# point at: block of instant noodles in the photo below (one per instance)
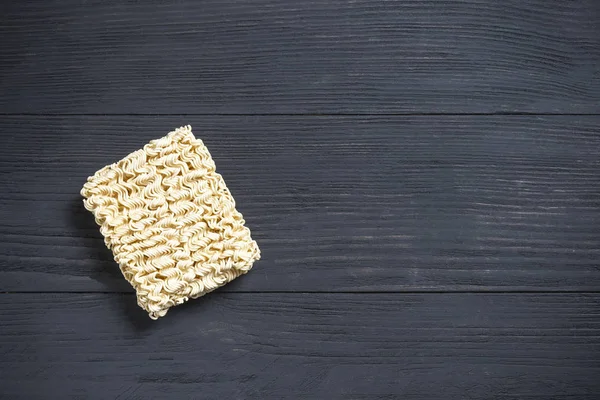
(170, 221)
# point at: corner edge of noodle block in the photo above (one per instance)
(170, 222)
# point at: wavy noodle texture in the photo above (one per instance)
(170, 222)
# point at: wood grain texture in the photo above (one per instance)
(313, 56)
(335, 203)
(360, 346)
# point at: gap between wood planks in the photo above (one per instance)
(558, 291)
(400, 114)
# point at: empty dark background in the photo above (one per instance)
(421, 176)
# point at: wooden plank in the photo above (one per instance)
(310, 56)
(359, 346)
(336, 203)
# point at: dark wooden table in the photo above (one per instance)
(423, 178)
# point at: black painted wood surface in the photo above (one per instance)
(423, 178)
(336, 203)
(316, 56)
(412, 346)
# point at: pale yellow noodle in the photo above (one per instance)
(170, 222)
